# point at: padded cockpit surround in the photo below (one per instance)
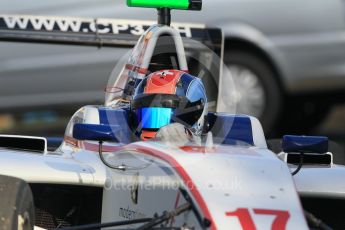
(233, 129)
(117, 117)
(236, 130)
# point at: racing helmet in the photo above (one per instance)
(169, 96)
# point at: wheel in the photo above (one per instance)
(16, 204)
(256, 90)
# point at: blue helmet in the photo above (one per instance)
(169, 96)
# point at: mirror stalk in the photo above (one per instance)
(100, 152)
(299, 167)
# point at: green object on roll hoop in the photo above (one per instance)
(171, 4)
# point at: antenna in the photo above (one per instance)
(165, 6)
(164, 16)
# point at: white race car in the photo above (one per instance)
(229, 179)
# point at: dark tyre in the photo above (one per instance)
(16, 204)
(301, 115)
(257, 92)
(275, 145)
(338, 152)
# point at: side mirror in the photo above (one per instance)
(305, 144)
(95, 132)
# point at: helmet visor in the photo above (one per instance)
(154, 117)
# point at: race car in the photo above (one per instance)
(153, 157)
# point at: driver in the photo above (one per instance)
(169, 96)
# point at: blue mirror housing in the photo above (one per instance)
(94, 132)
(305, 144)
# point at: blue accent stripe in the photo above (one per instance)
(103, 118)
(108, 116)
(231, 129)
(141, 87)
(185, 81)
(116, 117)
(306, 144)
(96, 132)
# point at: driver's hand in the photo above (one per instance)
(176, 134)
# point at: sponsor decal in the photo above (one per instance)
(130, 214)
(135, 189)
(80, 25)
(281, 218)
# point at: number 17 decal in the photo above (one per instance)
(247, 222)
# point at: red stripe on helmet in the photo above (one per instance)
(163, 82)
